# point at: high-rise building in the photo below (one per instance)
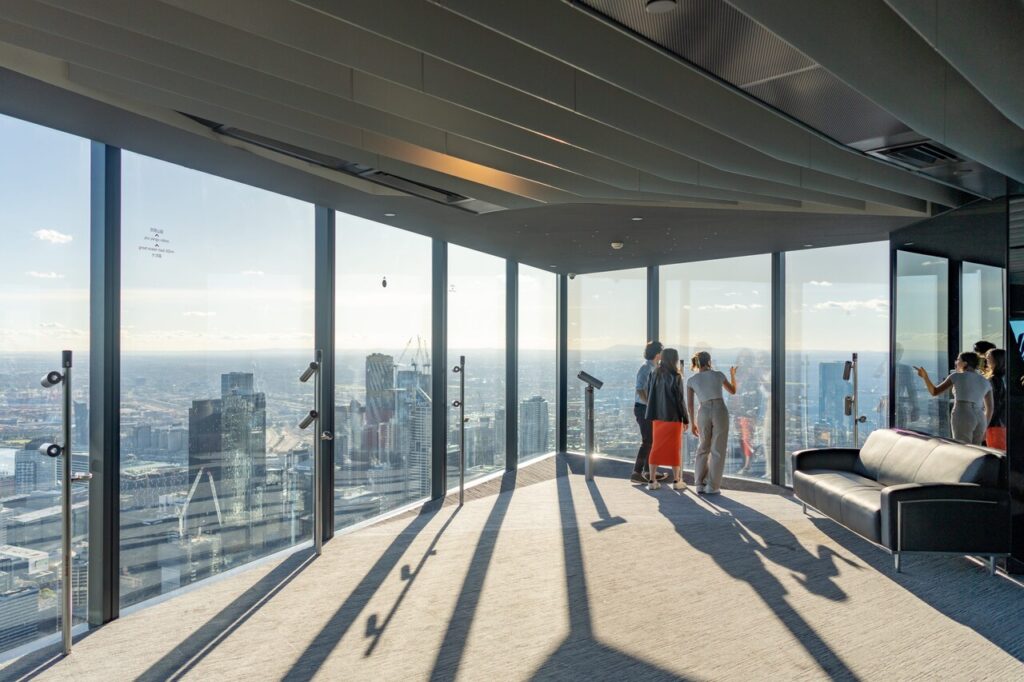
(533, 426)
(832, 392)
(19, 615)
(227, 452)
(380, 388)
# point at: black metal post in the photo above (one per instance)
(1015, 375)
(105, 383)
(653, 304)
(778, 409)
(893, 262)
(511, 365)
(956, 267)
(562, 362)
(323, 339)
(439, 368)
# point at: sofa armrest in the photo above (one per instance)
(840, 459)
(946, 517)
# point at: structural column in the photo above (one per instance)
(323, 333)
(1015, 375)
(439, 367)
(653, 304)
(511, 365)
(778, 411)
(562, 362)
(105, 383)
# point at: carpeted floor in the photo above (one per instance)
(545, 576)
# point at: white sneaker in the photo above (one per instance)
(709, 491)
(701, 489)
(679, 485)
(653, 485)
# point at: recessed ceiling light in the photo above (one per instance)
(389, 215)
(908, 243)
(659, 6)
(807, 246)
(552, 266)
(636, 219)
(617, 245)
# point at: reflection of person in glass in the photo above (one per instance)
(972, 398)
(747, 407)
(982, 348)
(995, 372)
(906, 391)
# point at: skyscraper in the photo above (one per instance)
(227, 451)
(380, 388)
(533, 426)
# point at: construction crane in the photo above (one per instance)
(183, 517)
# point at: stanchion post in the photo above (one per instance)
(460, 369)
(588, 465)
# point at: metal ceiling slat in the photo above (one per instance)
(956, 30)
(114, 84)
(901, 72)
(159, 23)
(568, 34)
(469, 90)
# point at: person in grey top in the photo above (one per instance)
(711, 425)
(972, 396)
(652, 354)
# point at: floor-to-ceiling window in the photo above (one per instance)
(44, 309)
(607, 332)
(922, 304)
(724, 307)
(476, 330)
(382, 369)
(837, 304)
(981, 305)
(538, 379)
(217, 325)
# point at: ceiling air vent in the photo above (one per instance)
(418, 189)
(919, 155)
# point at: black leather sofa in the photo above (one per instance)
(907, 492)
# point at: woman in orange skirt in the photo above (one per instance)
(666, 408)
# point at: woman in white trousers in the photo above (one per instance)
(711, 425)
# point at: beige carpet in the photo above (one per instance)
(558, 579)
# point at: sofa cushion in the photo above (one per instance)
(904, 458)
(862, 512)
(850, 499)
(956, 463)
(874, 450)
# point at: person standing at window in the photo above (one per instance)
(995, 371)
(712, 421)
(652, 354)
(982, 348)
(667, 411)
(972, 396)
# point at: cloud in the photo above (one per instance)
(731, 306)
(53, 236)
(819, 283)
(878, 305)
(199, 313)
(254, 273)
(44, 275)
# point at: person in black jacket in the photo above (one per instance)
(666, 408)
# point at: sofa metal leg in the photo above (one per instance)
(805, 509)
(992, 565)
(896, 561)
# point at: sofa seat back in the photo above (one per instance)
(894, 457)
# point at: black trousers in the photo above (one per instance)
(646, 437)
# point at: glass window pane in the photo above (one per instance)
(382, 369)
(476, 329)
(981, 305)
(44, 309)
(217, 325)
(607, 333)
(538, 380)
(922, 304)
(837, 304)
(724, 307)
